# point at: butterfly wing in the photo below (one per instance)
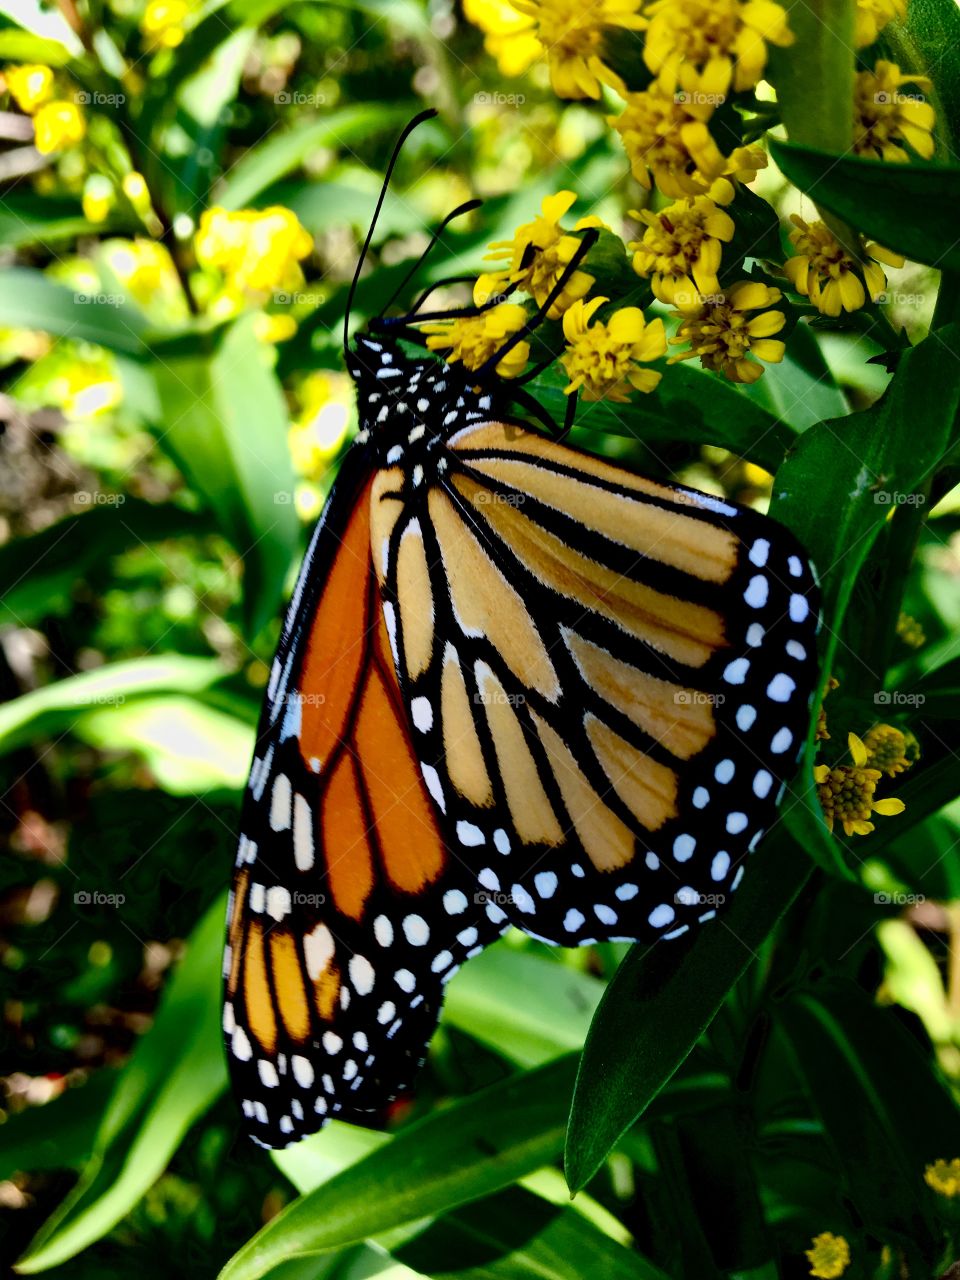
(609, 680)
(347, 913)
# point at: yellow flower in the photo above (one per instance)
(30, 86)
(572, 35)
(910, 631)
(474, 339)
(57, 125)
(681, 247)
(725, 339)
(508, 36)
(824, 272)
(829, 1256)
(944, 1177)
(885, 118)
(540, 252)
(162, 23)
(98, 197)
(667, 142)
(846, 792)
(890, 750)
(601, 359)
(146, 269)
(725, 41)
(274, 328)
(257, 251)
(873, 16)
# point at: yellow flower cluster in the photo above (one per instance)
(725, 337)
(846, 792)
(823, 271)
(539, 253)
(707, 47)
(829, 1256)
(572, 35)
(889, 749)
(257, 251)
(602, 359)
(58, 123)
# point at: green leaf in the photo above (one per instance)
(283, 152)
(189, 748)
(175, 1073)
(225, 425)
(526, 1007)
(929, 41)
(58, 1135)
(688, 405)
(800, 390)
(28, 300)
(55, 708)
(660, 1002)
(905, 207)
(515, 1235)
(462, 1153)
(817, 109)
(28, 219)
(38, 573)
(858, 1064)
(23, 46)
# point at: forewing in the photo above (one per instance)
(347, 914)
(615, 688)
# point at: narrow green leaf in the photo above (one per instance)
(225, 424)
(175, 1073)
(660, 1002)
(28, 300)
(515, 1235)
(801, 389)
(858, 1065)
(472, 1149)
(817, 109)
(906, 207)
(55, 708)
(27, 219)
(526, 1007)
(281, 153)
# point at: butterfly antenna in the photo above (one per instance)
(586, 244)
(467, 207)
(398, 147)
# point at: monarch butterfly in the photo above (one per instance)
(516, 685)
